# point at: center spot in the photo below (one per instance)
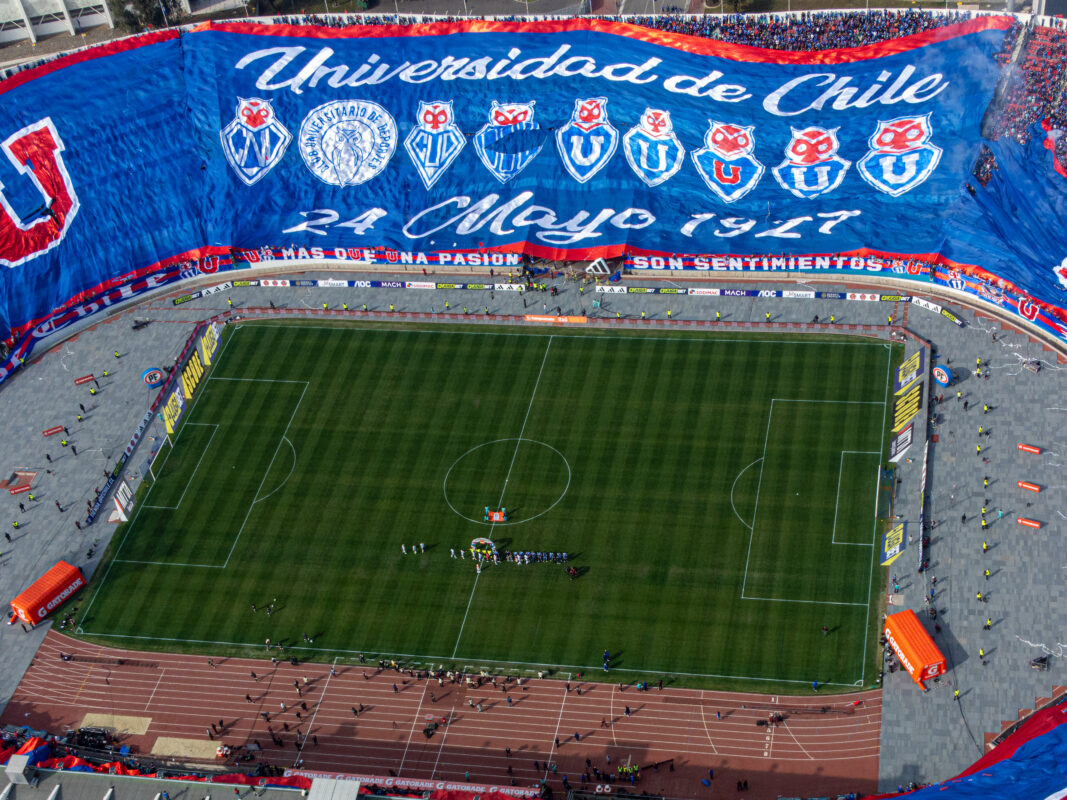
(526, 476)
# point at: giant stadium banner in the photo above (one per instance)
(568, 139)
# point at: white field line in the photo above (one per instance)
(285, 435)
(137, 513)
(704, 721)
(414, 722)
(258, 380)
(837, 498)
(766, 438)
(752, 527)
(444, 736)
(525, 419)
(874, 550)
(167, 563)
(425, 658)
(795, 739)
(518, 443)
(189, 482)
(463, 624)
(733, 485)
(559, 721)
(836, 402)
(166, 458)
(806, 602)
(287, 477)
(311, 725)
(443, 329)
(161, 674)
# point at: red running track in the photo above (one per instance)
(824, 746)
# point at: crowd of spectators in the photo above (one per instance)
(815, 30)
(1034, 83)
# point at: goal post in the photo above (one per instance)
(167, 445)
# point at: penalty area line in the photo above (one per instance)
(137, 513)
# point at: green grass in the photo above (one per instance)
(685, 475)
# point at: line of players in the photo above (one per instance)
(525, 557)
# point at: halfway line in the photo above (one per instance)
(507, 477)
(525, 419)
(463, 624)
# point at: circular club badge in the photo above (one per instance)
(153, 377)
(347, 142)
(942, 376)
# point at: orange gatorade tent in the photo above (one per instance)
(48, 593)
(913, 645)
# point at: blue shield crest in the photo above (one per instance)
(254, 141)
(901, 155)
(435, 141)
(587, 143)
(726, 163)
(812, 166)
(510, 141)
(652, 148)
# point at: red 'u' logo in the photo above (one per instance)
(35, 150)
(731, 176)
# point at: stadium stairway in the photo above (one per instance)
(1009, 724)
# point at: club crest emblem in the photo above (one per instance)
(347, 142)
(812, 166)
(726, 163)
(435, 141)
(652, 148)
(254, 141)
(901, 155)
(587, 143)
(510, 140)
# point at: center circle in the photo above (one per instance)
(521, 474)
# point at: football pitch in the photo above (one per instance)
(717, 496)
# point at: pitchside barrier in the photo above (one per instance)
(609, 286)
(598, 292)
